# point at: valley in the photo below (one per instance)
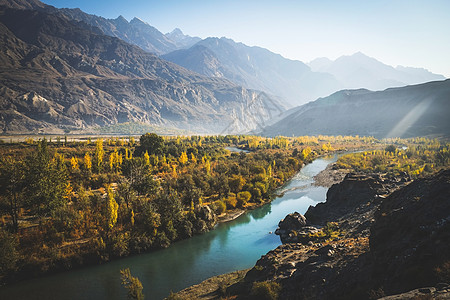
(297, 150)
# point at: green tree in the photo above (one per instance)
(132, 284)
(12, 184)
(152, 143)
(8, 252)
(138, 173)
(46, 180)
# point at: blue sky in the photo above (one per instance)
(396, 32)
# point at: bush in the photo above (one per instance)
(8, 252)
(231, 202)
(219, 207)
(269, 290)
(132, 284)
(242, 198)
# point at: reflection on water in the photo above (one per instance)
(231, 246)
(261, 212)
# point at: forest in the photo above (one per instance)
(70, 203)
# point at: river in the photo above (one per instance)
(231, 246)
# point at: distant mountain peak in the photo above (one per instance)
(176, 31)
(359, 53)
(121, 19)
(137, 20)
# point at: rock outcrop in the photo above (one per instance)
(394, 238)
(410, 239)
(293, 229)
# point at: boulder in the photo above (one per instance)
(206, 214)
(294, 221)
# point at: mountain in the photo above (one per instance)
(58, 74)
(361, 71)
(181, 40)
(135, 32)
(416, 110)
(256, 68)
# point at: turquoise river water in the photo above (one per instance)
(231, 246)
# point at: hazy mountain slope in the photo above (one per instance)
(257, 68)
(57, 75)
(361, 71)
(181, 40)
(406, 112)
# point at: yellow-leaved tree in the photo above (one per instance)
(183, 158)
(111, 208)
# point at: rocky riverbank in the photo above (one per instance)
(374, 236)
(331, 175)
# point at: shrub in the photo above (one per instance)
(8, 252)
(242, 198)
(231, 202)
(219, 207)
(269, 290)
(132, 284)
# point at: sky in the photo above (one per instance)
(397, 32)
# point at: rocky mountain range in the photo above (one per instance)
(55, 80)
(257, 68)
(292, 81)
(135, 31)
(360, 71)
(60, 74)
(417, 110)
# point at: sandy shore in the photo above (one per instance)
(330, 176)
(230, 216)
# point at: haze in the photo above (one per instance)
(409, 33)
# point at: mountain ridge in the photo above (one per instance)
(361, 71)
(57, 74)
(415, 110)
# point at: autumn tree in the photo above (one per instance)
(183, 159)
(87, 162)
(74, 163)
(132, 284)
(242, 198)
(111, 208)
(236, 182)
(99, 153)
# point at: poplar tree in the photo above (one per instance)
(99, 153)
(111, 208)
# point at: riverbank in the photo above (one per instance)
(212, 288)
(331, 175)
(378, 237)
